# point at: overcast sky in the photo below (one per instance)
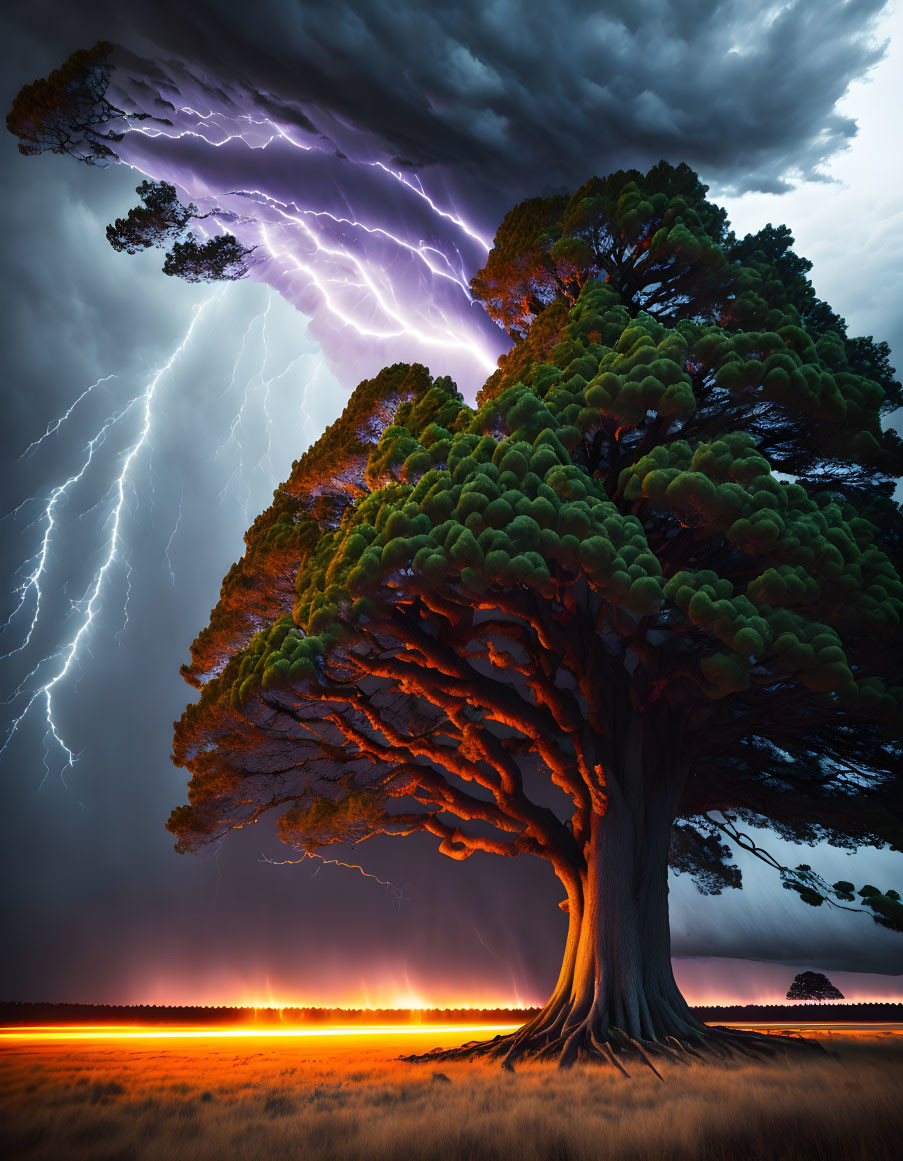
(788, 114)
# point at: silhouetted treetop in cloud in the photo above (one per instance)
(163, 221)
(66, 112)
(219, 259)
(160, 220)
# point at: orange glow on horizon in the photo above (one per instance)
(712, 980)
(386, 988)
(64, 1032)
(386, 1036)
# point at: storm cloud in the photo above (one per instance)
(528, 94)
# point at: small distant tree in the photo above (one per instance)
(813, 986)
(220, 259)
(67, 111)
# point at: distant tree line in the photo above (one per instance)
(24, 1012)
(14, 1013)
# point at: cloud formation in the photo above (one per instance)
(530, 94)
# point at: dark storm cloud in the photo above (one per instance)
(532, 94)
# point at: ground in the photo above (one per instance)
(348, 1098)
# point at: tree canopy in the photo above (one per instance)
(653, 238)
(813, 986)
(66, 112)
(596, 619)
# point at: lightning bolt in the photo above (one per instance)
(308, 383)
(32, 583)
(90, 606)
(265, 402)
(398, 892)
(56, 424)
(172, 536)
(399, 324)
(420, 249)
(260, 384)
(420, 192)
(232, 437)
(277, 133)
(324, 248)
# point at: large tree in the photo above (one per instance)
(585, 621)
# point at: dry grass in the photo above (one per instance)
(268, 1100)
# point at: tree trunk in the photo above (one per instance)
(616, 985)
(617, 967)
(616, 996)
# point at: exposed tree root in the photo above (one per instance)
(584, 1043)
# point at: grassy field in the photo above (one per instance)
(346, 1098)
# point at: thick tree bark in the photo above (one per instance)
(616, 997)
(617, 967)
(616, 985)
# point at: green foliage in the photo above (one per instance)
(620, 508)
(324, 481)
(886, 906)
(652, 237)
(495, 499)
(323, 820)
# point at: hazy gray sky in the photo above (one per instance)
(851, 226)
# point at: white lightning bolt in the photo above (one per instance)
(397, 321)
(277, 132)
(91, 604)
(421, 249)
(258, 384)
(360, 293)
(172, 536)
(308, 383)
(57, 423)
(32, 583)
(267, 386)
(421, 193)
(232, 436)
